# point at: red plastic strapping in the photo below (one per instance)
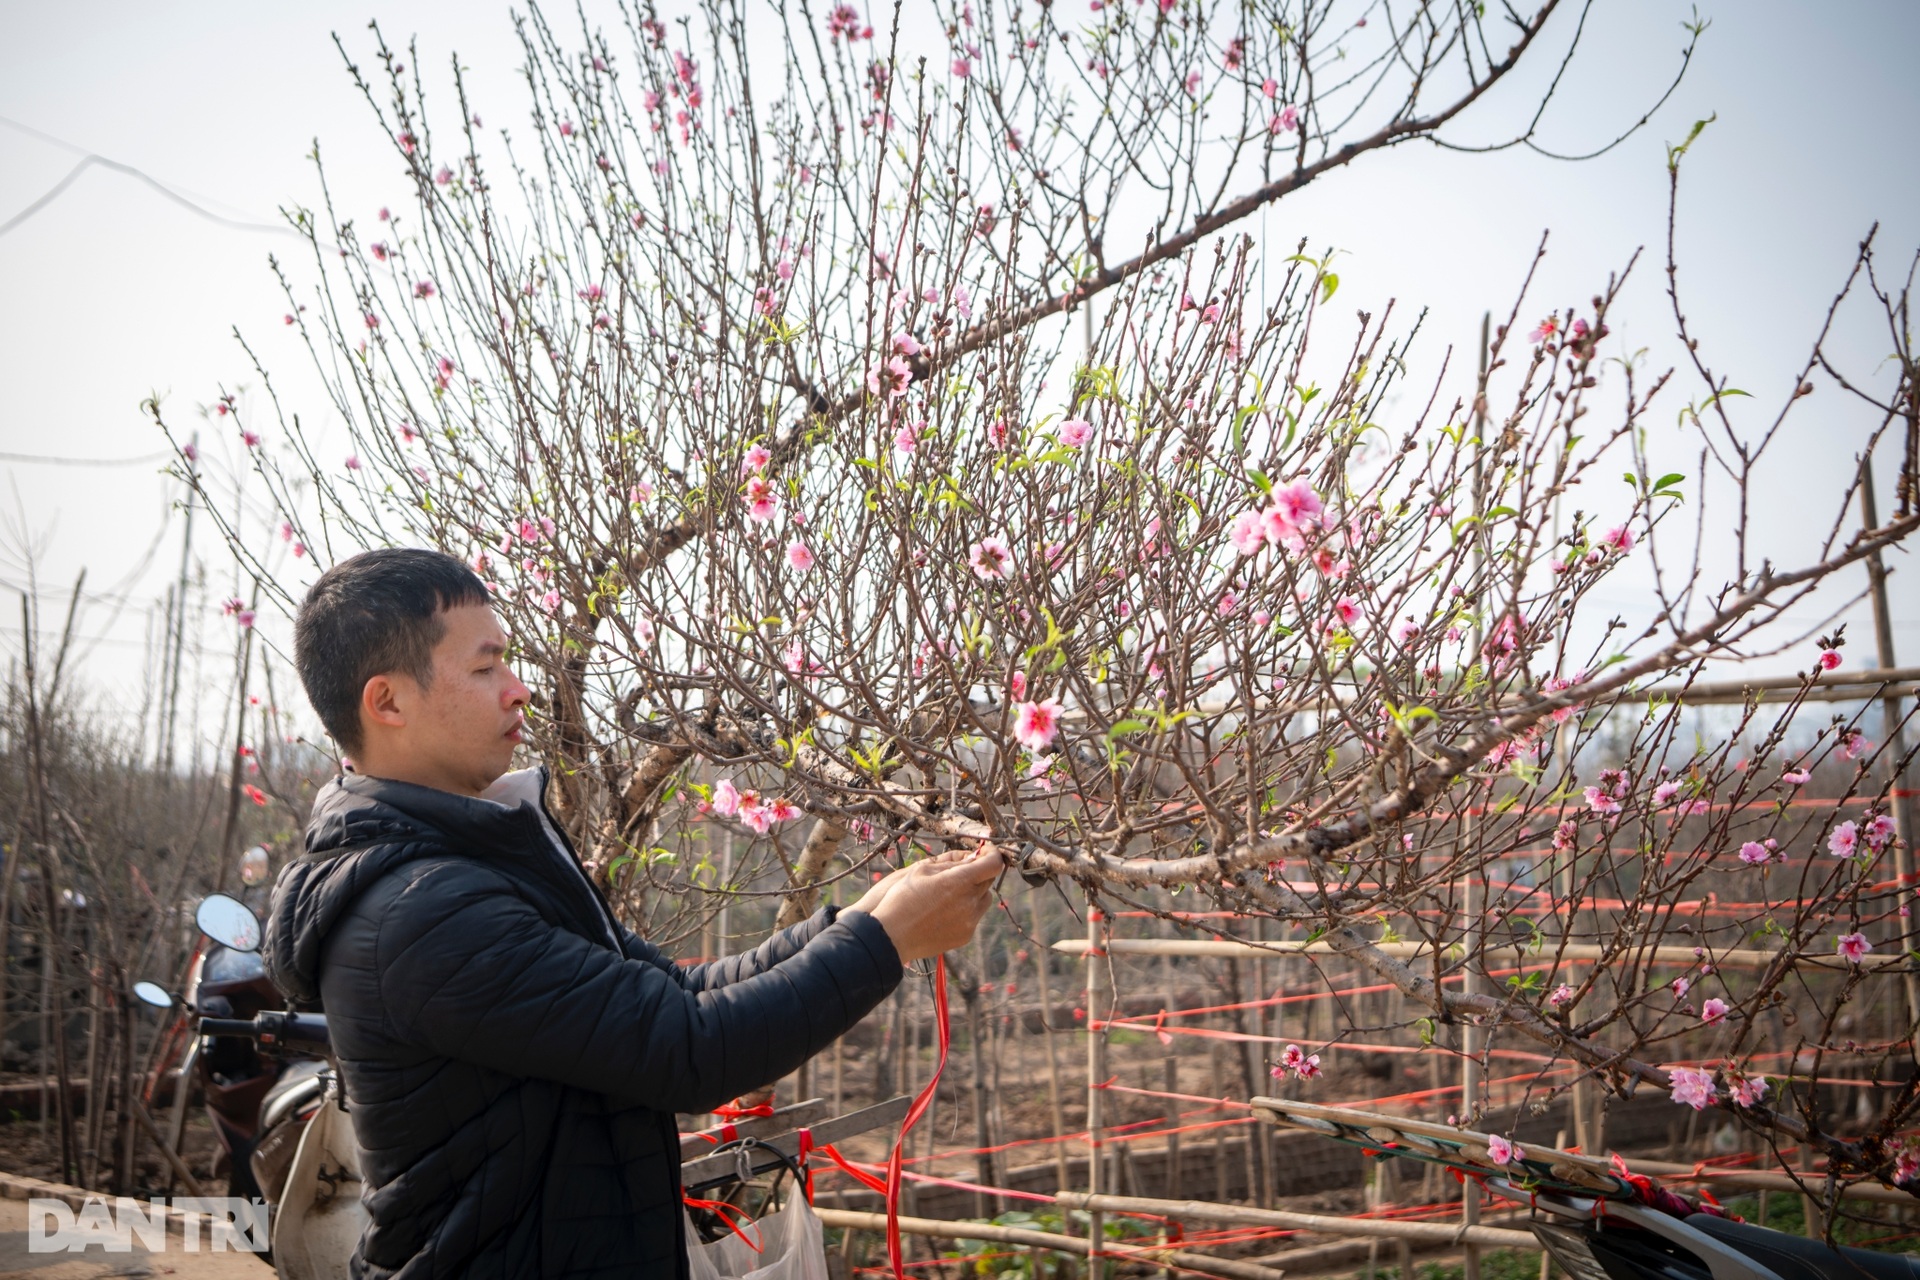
(918, 1109)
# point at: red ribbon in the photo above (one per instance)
(733, 1111)
(918, 1109)
(860, 1176)
(804, 1148)
(727, 1213)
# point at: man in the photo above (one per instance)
(512, 1056)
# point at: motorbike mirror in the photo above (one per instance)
(254, 865)
(228, 923)
(154, 994)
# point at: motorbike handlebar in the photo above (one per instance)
(271, 1027)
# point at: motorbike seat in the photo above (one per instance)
(299, 1085)
(1798, 1258)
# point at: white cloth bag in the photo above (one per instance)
(791, 1248)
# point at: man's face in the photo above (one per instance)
(458, 733)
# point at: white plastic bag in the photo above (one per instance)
(791, 1248)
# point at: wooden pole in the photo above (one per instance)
(54, 1009)
(1097, 1012)
(123, 1115)
(172, 1157)
(1495, 953)
(1172, 1085)
(1893, 737)
(230, 829)
(1054, 1102)
(1246, 1215)
(1475, 887)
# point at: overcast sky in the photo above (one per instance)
(113, 292)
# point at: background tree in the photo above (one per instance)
(754, 390)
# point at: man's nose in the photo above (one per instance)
(517, 694)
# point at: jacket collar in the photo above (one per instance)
(497, 822)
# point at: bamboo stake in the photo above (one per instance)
(229, 829)
(1894, 740)
(855, 1220)
(173, 1159)
(1244, 1215)
(123, 1115)
(1419, 950)
(1053, 1057)
(1096, 1068)
(54, 1007)
(1755, 1180)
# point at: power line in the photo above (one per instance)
(57, 461)
(90, 159)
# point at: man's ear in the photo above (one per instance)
(381, 702)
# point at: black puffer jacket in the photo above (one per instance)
(513, 1057)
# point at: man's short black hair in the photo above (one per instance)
(374, 613)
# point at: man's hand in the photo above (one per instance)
(933, 906)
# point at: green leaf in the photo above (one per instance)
(1675, 152)
(1121, 727)
(1671, 478)
(1328, 283)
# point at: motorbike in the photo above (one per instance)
(1596, 1218)
(272, 1093)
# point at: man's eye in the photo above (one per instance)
(484, 671)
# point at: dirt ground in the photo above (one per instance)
(17, 1264)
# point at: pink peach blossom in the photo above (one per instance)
(762, 502)
(1075, 432)
(1246, 533)
(1036, 724)
(1853, 947)
(991, 558)
(890, 379)
(799, 555)
(1299, 504)
(1690, 1087)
